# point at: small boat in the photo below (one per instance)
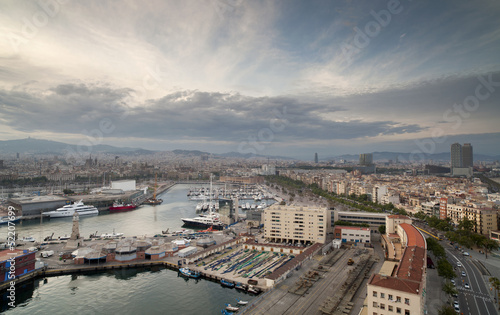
(227, 283)
(11, 219)
(240, 302)
(111, 235)
(251, 289)
(225, 312)
(240, 286)
(231, 308)
(190, 273)
(28, 239)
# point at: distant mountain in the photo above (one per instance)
(190, 152)
(401, 156)
(250, 155)
(40, 146)
(32, 146)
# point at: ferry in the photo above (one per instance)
(69, 210)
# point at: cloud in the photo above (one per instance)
(211, 116)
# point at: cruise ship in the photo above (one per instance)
(69, 210)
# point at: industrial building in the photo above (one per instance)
(373, 219)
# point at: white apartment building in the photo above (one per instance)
(294, 224)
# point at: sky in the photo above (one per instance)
(287, 78)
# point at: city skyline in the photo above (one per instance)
(270, 78)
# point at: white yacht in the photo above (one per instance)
(69, 210)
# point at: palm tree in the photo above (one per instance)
(496, 284)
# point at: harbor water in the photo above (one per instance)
(153, 290)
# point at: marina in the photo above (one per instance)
(144, 222)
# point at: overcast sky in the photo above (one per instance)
(269, 77)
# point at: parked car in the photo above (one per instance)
(456, 306)
(453, 281)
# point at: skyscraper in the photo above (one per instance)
(467, 155)
(456, 155)
(366, 159)
(315, 157)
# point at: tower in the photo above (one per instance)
(315, 157)
(467, 155)
(456, 155)
(75, 240)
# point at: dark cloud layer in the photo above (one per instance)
(192, 115)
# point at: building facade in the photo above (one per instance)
(293, 224)
(352, 234)
(371, 218)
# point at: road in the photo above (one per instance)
(477, 299)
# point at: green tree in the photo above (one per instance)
(449, 288)
(445, 269)
(495, 283)
(381, 229)
(467, 225)
(447, 310)
(68, 191)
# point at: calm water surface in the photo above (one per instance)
(134, 291)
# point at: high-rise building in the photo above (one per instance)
(366, 159)
(467, 155)
(456, 155)
(315, 157)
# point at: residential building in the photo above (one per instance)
(294, 224)
(401, 288)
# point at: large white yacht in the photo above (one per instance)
(69, 210)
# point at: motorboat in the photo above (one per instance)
(111, 235)
(69, 210)
(227, 283)
(190, 273)
(11, 219)
(240, 302)
(231, 308)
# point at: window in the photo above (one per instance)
(398, 299)
(374, 293)
(382, 295)
(398, 310)
(374, 304)
(382, 306)
(390, 297)
(407, 301)
(407, 312)
(390, 308)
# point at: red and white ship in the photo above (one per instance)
(120, 207)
